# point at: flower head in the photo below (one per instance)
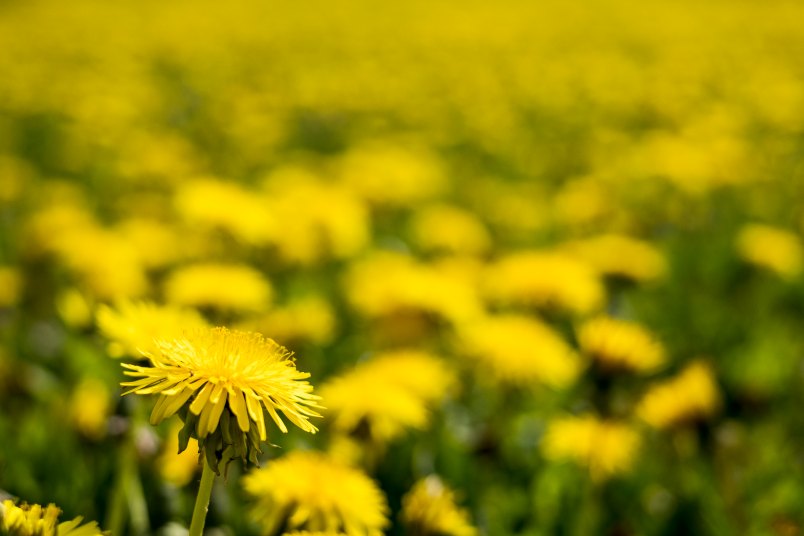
(519, 350)
(545, 280)
(617, 344)
(429, 508)
(35, 520)
(387, 394)
(606, 448)
(132, 325)
(310, 491)
(221, 382)
(228, 287)
(773, 248)
(689, 396)
(619, 255)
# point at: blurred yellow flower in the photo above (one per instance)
(691, 395)
(308, 490)
(132, 327)
(387, 174)
(10, 286)
(450, 229)
(229, 287)
(519, 350)
(387, 283)
(387, 394)
(90, 407)
(618, 255)
(310, 318)
(620, 345)
(219, 204)
(204, 369)
(35, 520)
(158, 244)
(771, 247)
(546, 280)
(320, 220)
(429, 509)
(74, 308)
(606, 448)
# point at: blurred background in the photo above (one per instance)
(548, 252)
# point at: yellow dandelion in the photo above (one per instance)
(430, 508)
(622, 256)
(232, 287)
(74, 308)
(690, 396)
(386, 174)
(132, 326)
(770, 247)
(449, 229)
(310, 318)
(198, 373)
(619, 345)
(313, 533)
(545, 279)
(309, 491)
(224, 205)
(606, 448)
(10, 286)
(319, 219)
(388, 283)
(90, 407)
(35, 520)
(396, 389)
(519, 350)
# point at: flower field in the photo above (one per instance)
(416, 268)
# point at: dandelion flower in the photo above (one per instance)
(429, 508)
(606, 448)
(90, 408)
(689, 396)
(232, 287)
(387, 283)
(396, 390)
(519, 350)
(221, 382)
(545, 280)
(309, 491)
(449, 229)
(132, 326)
(35, 520)
(622, 256)
(617, 344)
(10, 286)
(769, 247)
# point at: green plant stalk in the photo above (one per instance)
(202, 500)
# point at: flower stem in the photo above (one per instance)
(202, 500)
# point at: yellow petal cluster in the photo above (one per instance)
(519, 350)
(620, 345)
(606, 448)
(449, 229)
(132, 326)
(212, 370)
(388, 393)
(430, 508)
(543, 279)
(229, 287)
(776, 249)
(619, 255)
(387, 283)
(691, 395)
(306, 490)
(35, 520)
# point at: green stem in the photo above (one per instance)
(202, 501)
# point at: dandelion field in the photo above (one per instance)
(427, 269)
